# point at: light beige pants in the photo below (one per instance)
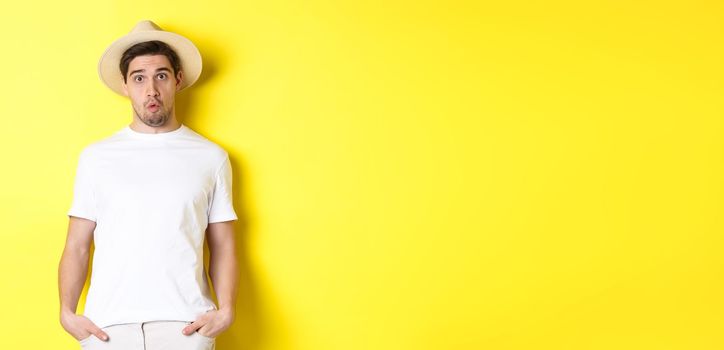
(154, 335)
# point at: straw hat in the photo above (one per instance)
(108, 66)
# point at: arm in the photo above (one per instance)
(72, 273)
(224, 274)
(223, 268)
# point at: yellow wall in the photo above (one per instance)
(415, 174)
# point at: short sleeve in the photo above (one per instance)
(222, 206)
(83, 204)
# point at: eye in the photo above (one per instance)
(161, 76)
(138, 78)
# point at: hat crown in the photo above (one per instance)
(144, 26)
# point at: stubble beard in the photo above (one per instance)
(159, 118)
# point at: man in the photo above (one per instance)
(147, 197)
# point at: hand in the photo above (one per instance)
(211, 323)
(80, 327)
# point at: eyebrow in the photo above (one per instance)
(162, 69)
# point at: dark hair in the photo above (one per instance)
(154, 47)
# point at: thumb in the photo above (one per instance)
(189, 329)
(99, 333)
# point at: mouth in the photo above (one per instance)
(153, 106)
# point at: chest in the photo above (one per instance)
(155, 180)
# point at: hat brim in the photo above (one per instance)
(110, 72)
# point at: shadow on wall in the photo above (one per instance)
(210, 64)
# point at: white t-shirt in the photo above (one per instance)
(152, 197)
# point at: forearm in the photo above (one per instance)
(72, 273)
(224, 274)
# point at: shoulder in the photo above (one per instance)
(210, 148)
(95, 149)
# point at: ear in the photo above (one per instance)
(125, 88)
(179, 79)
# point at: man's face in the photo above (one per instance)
(151, 86)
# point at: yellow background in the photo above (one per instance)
(413, 174)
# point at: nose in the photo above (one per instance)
(151, 89)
